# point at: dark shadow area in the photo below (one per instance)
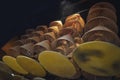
(17, 16)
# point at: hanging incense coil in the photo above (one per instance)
(102, 21)
(14, 51)
(54, 29)
(41, 46)
(68, 30)
(27, 49)
(101, 33)
(48, 36)
(64, 44)
(29, 31)
(19, 42)
(104, 5)
(33, 40)
(65, 40)
(43, 28)
(57, 23)
(74, 18)
(75, 24)
(37, 33)
(102, 12)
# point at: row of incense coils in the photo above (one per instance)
(66, 37)
(101, 24)
(56, 37)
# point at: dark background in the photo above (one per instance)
(18, 15)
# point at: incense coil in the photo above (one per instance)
(74, 18)
(101, 21)
(101, 33)
(104, 5)
(54, 29)
(32, 40)
(41, 46)
(63, 41)
(102, 12)
(69, 30)
(43, 28)
(14, 51)
(61, 49)
(75, 24)
(57, 23)
(27, 49)
(19, 42)
(48, 36)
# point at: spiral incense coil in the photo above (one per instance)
(33, 40)
(48, 36)
(41, 46)
(68, 30)
(23, 37)
(19, 42)
(74, 18)
(65, 40)
(57, 23)
(29, 31)
(37, 33)
(54, 29)
(14, 51)
(102, 21)
(93, 77)
(61, 49)
(75, 24)
(27, 49)
(43, 28)
(101, 33)
(104, 5)
(102, 12)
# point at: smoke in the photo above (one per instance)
(67, 8)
